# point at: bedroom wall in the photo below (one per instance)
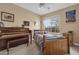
(21, 14)
(63, 26)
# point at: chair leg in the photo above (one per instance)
(27, 44)
(8, 48)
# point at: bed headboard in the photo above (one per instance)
(39, 31)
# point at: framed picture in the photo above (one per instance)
(7, 17)
(71, 16)
(26, 23)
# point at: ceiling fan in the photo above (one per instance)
(43, 6)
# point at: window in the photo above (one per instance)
(52, 24)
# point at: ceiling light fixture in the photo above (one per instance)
(43, 6)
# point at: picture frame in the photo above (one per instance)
(26, 23)
(71, 16)
(5, 16)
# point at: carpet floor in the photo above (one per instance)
(32, 49)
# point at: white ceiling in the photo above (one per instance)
(34, 7)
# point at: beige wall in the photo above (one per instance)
(20, 15)
(23, 14)
(63, 26)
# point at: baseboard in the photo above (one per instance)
(76, 44)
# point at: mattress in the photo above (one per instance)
(54, 36)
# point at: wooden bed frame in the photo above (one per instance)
(53, 47)
(56, 47)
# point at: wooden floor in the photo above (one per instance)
(33, 50)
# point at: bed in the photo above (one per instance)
(51, 43)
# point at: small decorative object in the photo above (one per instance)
(22, 26)
(0, 33)
(34, 23)
(71, 16)
(7, 17)
(1, 24)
